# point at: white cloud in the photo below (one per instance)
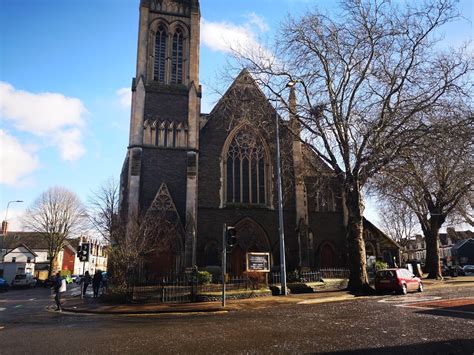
(69, 143)
(47, 115)
(259, 22)
(16, 160)
(125, 97)
(228, 38)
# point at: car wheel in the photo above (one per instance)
(420, 287)
(404, 289)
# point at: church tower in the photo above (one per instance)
(160, 170)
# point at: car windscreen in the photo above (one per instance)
(385, 274)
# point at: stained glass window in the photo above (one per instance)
(245, 169)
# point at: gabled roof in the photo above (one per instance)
(21, 245)
(243, 81)
(461, 243)
(32, 240)
(368, 224)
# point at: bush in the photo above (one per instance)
(256, 279)
(380, 265)
(204, 277)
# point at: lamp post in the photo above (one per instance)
(5, 224)
(281, 231)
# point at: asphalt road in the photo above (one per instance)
(379, 324)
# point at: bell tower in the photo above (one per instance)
(164, 123)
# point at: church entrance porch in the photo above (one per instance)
(251, 237)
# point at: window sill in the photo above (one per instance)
(246, 206)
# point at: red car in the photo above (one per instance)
(398, 280)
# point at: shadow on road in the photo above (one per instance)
(454, 346)
(454, 312)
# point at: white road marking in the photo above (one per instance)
(2, 309)
(406, 299)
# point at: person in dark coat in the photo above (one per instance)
(96, 281)
(86, 280)
(59, 288)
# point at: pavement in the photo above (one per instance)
(89, 305)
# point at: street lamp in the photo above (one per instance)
(5, 224)
(281, 231)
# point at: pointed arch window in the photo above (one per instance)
(246, 170)
(160, 55)
(177, 58)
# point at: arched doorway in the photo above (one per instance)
(328, 255)
(250, 238)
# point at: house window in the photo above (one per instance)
(28, 260)
(160, 55)
(246, 169)
(13, 259)
(177, 58)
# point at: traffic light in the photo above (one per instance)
(84, 252)
(231, 236)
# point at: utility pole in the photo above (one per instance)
(224, 252)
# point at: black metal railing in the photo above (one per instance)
(311, 276)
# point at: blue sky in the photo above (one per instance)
(65, 73)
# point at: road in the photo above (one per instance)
(378, 324)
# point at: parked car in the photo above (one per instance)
(468, 270)
(24, 280)
(455, 270)
(4, 286)
(398, 280)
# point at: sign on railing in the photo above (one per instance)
(258, 262)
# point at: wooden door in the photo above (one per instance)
(328, 256)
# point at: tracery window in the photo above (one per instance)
(246, 170)
(177, 58)
(325, 201)
(160, 55)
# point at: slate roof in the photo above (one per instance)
(32, 240)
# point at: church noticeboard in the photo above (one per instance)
(258, 262)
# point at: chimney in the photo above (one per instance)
(4, 227)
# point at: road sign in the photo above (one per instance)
(258, 262)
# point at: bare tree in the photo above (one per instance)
(398, 221)
(432, 180)
(135, 241)
(364, 78)
(103, 209)
(56, 215)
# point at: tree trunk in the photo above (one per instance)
(50, 269)
(358, 280)
(433, 265)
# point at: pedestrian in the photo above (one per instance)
(86, 280)
(59, 288)
(96, 281)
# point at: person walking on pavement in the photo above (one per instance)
(59, 288)
(86, 280)
(96, 281)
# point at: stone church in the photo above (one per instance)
(204, 170)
